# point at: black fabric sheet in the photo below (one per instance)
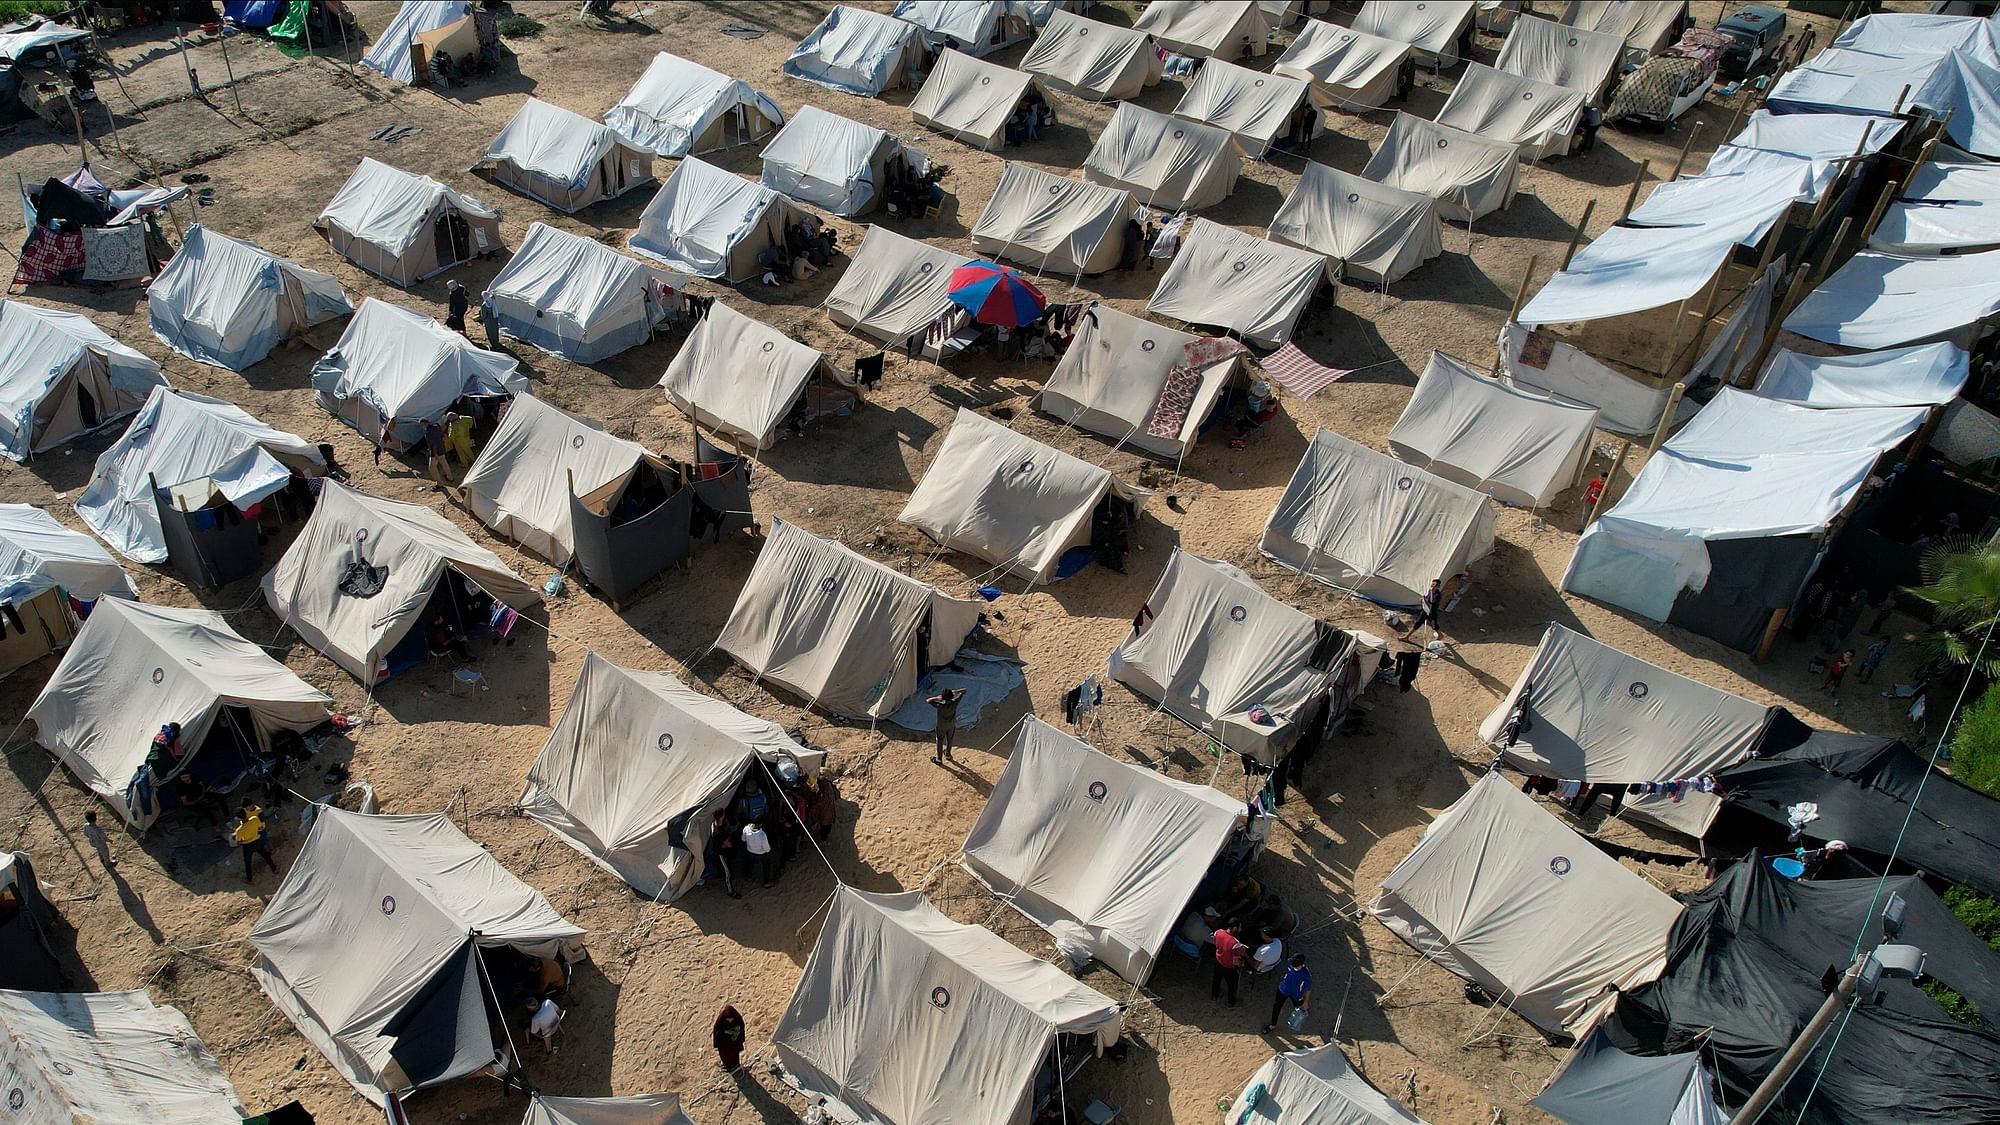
(1748, 579)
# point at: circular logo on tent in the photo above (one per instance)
(1346, 35)
(361, 535)
(989, 81)
(576, 442)
(388, 904)
(1527, 95)
(1055, 189)
(770, 344)
(666, 743)
(1179, 133)
(1239, 267)
(16, 1098)
(1026, 467)
(1083, 31)
(1145, 345)
(1237, 613)
(1259, 82)
(62, 1067)
(1638, 690)
(828, 585)
(926, 267)
(1096, 791)
(1572, 40)
(1559, 866)
(940, 997)
(159, 675)
(1444, 142)
(1404, 484)
(1354, 197)
(1421, 7)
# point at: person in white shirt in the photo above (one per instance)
(758, 843)
(543, 1023)
(1269, 954)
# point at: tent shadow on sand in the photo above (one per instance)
(66, 865)
(580, 1066)
(517, 670)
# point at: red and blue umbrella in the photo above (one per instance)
(995, 294)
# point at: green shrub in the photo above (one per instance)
(1975, 746)
(11, 10)
(1980, 914)
(517, 26)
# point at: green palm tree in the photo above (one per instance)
(1962, 581)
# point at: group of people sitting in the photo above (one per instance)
(808, 248)
(909, 192)
(1032, 114)
(764, 827)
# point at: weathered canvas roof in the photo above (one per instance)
(1538, 116)
(522, 481)
(1943, 207)
(228, 303)
(637, 1109)
(1601, 1085)
(1347, 69)
(855, 51)
(390, 53)
(1363, 521)
(37, 553)
(836, 627)
(1919, 375)
(576, 297)
(1255, 107)
(1432, 27)
(90, 1057)
(699, 217)
(893, 287)
(1571, 57)
(1227, 29)
(969, 98)
(1514, 445)
(633, 752)
(1499, 892)
(979, 26)
(1881, 300)
(412, 543)
(739, 375)
(905, 1015)
(1647, 26)
(1164, 162)
(197, 448)
(1253, 286)
(1600, 715)
(1110, 381)
(402, 366)
(1631, 269)
(1053, 223)
(1217, 646)
(135, 667)
(828, 160)
(1314, 1087)
(1091, 59)
(676, 101)
(1006, 498)
(41, 348)
(375, 913)
(1101, 853)
(1373, 231)
(1469, 175)
(552, 142)
(391, 208)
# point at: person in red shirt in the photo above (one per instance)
(1229, 955)
(1837, 671)
(1592, 495)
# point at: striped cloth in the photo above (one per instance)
(1298, 373)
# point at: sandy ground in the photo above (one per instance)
(174, 918)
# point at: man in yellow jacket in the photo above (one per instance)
(250, 838)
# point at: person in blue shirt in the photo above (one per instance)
(1297, 986)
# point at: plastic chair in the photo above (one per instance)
(1187, 948)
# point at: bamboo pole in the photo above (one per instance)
(1666, 420)
(1685, 149)
(1576, 235)
(1632, 197)
(1881, 204)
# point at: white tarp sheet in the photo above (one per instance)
(1827, 139)
(1374, 232)
(522, 481)
(1253, 106)
(855, 51)
(38, 553)
(1943, 207)
(1881, 300)
(1224, 29)
(1432, 27)
(1570, 57)
(49, 354)
(1252, 286)
(393, 368)
(706, 222)
(675, 108)
(94, 1058)
(1546, 365)
(1050, 222)
(739, 375)
(1518, 447)
(1163, 161)
(1103, 854)
(1348, 70)
(1631, 269)
(1648, 26)
(636, 1109)
(969, 98)
(1110, 381)
(1499, 106)
(1499, 892)
(1596, 714)
(1744, 203)
(1314, 1087)
(894, 287)
(1367, 523)
(198, 448)
(1469, 175)
(1920, 375)
(1091, 59)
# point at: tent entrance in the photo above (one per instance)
(454, 238)
(464, 611)
(1110, 531)
(32, 629)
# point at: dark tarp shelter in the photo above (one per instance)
(1748, 963)
(1749, 580)
(28, 962)
(618, 554)
(1602, 1085)
(1863, 785)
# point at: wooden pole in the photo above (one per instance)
(1674, 336)
(1882, 204)
(1520, 298)
(1900, 99)
(1825, 264)
(1770, 635)
(1846, 169)
(1778, 312)
(1632, 197)
(1771, 239)
(1666, 420)
(1610, 478)
(230, 71)
(1685, 149)
(1701, 320)
(1576, 235)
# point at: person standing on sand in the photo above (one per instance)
(457, 303)
(250, 838)
(946, 704)
(1427, 610)
(1297, 986)
(729, 1037)
(1593, 495)
(1229, 955)
(95, 834)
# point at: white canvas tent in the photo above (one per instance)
(894, 287)
(1008, 499)
(1943, 208)
(1881, 300)
(636, 769)
(1595, 714)
(405, 227)
(680, 108)
(1091, 59)
(540, 458)
(563, 159)
(137, 667)
(1049, 222)
(1164, 162)
(1570, 57)
(390, 53)
(228, 303)
(1103, 854)
(576, 297)
(311, 589)
(1470, 176)
(1372, 232)
(1348, 70)
(855, 51)
(1254, 287)
(739, 375)
(1432, 28)
(42, 565)
(61, 377)
(1500, 893)
(840, 629)
(1114, 374)
(1537, 116)
(1514, 445)
(1217, 646)
(636, 1109)
(91, 1058)
(1314, 1087)
(832, 162)
(1919, 375)
(978, 27)
(1647, 26)
(393, 369)
(1364, 522)
(195, 448)
(368, 947)
(1256, 108)
(1218, 29)
(706, 222)
(903, 1015)
(970, 99)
